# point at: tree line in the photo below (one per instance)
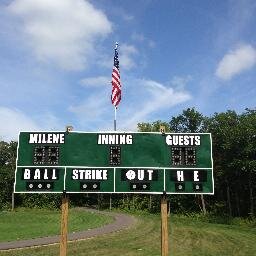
(234, 159)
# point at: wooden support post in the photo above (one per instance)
(164, 217)
(13, 198)
(169, 208)
(64, 225)
(164, 229)
(162, 129)
(150, 202)
(98, 201)
(203, 203)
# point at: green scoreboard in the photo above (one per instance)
(114, 162)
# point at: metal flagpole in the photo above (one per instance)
(115, 120)
(110, 198)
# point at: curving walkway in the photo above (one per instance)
(121, 221)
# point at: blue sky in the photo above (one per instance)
(56, 60)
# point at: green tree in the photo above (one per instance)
(7, 172)
(247, 130)
(190, 121)
(223, 127)
(153, 127)
(234, 155)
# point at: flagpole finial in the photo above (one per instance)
(116, 45)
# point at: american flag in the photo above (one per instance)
(116, 82)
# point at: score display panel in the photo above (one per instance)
(114, 162)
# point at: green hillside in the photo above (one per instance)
(188, 236)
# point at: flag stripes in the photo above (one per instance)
(116, 82)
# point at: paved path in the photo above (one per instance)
(121, 221)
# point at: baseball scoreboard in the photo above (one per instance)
(114, 162)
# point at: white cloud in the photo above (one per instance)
(128, 17)
(61, 31)
(152, 97)
(120, 13)
(142, 100)
(13, 121)
(106, 61)
(236, 61)
(96, 81)
(127, 52)
(138, 37)
(180, 82)
(90, 108)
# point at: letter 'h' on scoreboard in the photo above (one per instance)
(117, 162)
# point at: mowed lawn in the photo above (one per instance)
(187, 237)
(31, 223)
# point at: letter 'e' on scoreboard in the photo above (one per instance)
(114, 162)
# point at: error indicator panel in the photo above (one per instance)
(188, 181)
